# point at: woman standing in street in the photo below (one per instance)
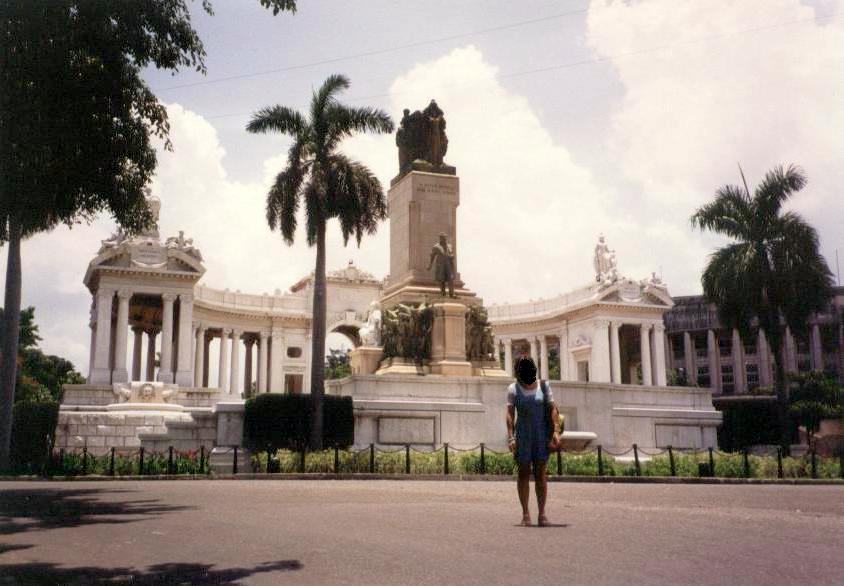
(530, 413)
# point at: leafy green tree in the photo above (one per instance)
(816, 396)
(330, 185)
(771, 271)
(337, 364)
(75, 125)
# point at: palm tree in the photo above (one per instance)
(772, 271)
(331, 186)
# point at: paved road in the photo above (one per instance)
(415, 532)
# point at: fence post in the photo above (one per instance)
(336, 460)
(234, 461)
(84, 460)
(671, 461)
(711, 463)
(814, 464)
(600, 461)
(407, 458)
(372, 458)
(141, 462)
(483, 460)
(636, 459)
(111, 463)
(746, 463)
(841, 464)
(201, 458)
(170, 460)
(559, 461)
(302, 461)
(445, 458)
(779, 462)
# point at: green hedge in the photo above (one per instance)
(33, 430)
(278, 421)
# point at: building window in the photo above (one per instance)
(294, 352)
(293, 384)
(583, 371)
(701, 346)
(703, 376)
(752, 371)
(727, 381)
(677, 346)
(750, 349)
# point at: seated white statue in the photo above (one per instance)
(370, 333)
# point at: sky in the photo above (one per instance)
(566, 119)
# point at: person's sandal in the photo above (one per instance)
(526, 521)
(543, 521)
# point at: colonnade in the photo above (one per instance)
(109, 341)
(604, 355)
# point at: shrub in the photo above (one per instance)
(33, 430)
(274, 421)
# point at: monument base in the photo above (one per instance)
(365, 359)
(452, 368)
(410, 294)
(402, 366)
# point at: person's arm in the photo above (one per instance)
(510, 419)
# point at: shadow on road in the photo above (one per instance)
(194, 574)
(40, 509)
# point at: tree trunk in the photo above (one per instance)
(775, 341)
(9, 351)
(318, 341)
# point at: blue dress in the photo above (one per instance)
(531, 432)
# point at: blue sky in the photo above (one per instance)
(571, 119)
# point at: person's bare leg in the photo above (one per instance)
(523, 485)
(541, 481)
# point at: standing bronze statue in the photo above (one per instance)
(442, 259)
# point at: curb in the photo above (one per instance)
(440, 477)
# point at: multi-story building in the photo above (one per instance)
(703, 352)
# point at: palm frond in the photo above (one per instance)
(344, 121)
(322, 99)
(777, 186)
(283, 201)
(729, 282)
(728, 214)
(356, 198)
(279, 119)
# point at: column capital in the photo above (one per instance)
(200, 327)
(646, 326)
(601, 323)
(264, 334)
(659, 327)
(186, 297)
(124, 294)
(105, 292)
(226, 332)
(277, 332)
(237, 333)
(168, 297)
(616, 324)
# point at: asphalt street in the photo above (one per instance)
(416, 532)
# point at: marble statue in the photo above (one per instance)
(113, 241)
(604, 262)
(421, 137)
(370, 333)
(442, 259)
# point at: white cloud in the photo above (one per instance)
(712, 96)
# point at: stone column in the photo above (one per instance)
(185, 362)
(659, 377)
(234, 386)
(543, 356)
(199, 356)
(508, 356)
(102, 371)
(565, 357)
(165, 370)
(534, 350)
(121, 374)
(151, 335)
(615, 352)
(599, 369)
(91, 348)
(763, 354)
(247, 366)
(816, 346)
(223, 369)
(690, 359)
(645, 348)
(137, 348)
(714, 361)
(262, 361)
(277, 354)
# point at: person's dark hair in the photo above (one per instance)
(525, 370)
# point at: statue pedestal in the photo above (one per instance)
(365, 359)
(448, 340)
